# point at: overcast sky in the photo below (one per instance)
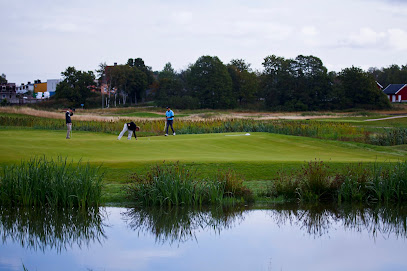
(40, 39)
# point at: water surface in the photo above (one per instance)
(278, 238)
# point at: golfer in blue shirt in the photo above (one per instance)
(169, 116)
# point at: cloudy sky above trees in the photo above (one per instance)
(40, 39)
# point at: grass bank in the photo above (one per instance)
(257, 158)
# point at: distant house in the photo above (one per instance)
(396, 92)
(40, 87)
(8, 92)
(52, 86)
(24, 88)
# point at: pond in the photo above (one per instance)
(281, 237)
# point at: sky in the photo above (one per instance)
(40, 39)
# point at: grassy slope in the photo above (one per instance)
(257, 157)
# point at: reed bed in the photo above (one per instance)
(175, 185)
(356, 183)
(55, 183)
(389, 137)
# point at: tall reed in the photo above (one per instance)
(356, 183)
(45, 182)
(175, 185)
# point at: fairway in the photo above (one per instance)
(208, 148)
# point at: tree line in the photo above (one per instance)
(299, 84)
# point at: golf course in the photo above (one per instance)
(257, 157)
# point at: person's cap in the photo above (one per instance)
(168, 107)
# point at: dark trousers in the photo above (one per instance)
(169, 123)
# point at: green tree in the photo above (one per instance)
(313, 84)
(393, 74)
(3, 79)
(209, 81)
(101, 71)
(75, 86)
(278, 82)
(139, 64)
(130, 80)
(244, 81)
(171, 90)
(357, 89)
(169, 84)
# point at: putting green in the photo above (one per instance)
(208, 148)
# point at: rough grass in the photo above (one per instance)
(46, 182)
(354, 183)
(176, 185)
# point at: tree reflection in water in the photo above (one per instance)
(178, 225)
(319, 219)
(52, 229)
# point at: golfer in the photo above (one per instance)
(169, 118)
(68, 121)
(130, 128)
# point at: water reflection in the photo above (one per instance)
(179, 225)
(182, 224)
(318, 220)
(52, 229)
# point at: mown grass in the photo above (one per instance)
(40, 181)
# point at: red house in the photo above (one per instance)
(396, 92)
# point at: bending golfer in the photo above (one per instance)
(68, 121)
(169, 118)
(130, 128)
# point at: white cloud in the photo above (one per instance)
(61, 27)
(398, 39)
(310, 31)
(182, 17)
(364, 38)
(83, 34)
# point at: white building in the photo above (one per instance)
(25, 88)
(52, 85)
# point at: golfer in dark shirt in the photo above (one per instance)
(130, 128)
(68, 121)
